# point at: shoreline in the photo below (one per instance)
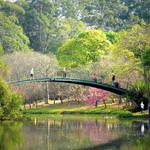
(103, 112)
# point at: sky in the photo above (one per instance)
(11, 0)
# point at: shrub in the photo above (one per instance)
(10, 103)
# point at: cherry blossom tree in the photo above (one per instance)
(94, 95)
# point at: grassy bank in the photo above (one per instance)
(109, 111)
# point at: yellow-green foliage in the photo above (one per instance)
(141, 86)
(10, 103)
(86, 48)
(135, 40)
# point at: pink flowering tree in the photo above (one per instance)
(94, 96)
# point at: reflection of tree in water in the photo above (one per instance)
(69, 134)
(99, 133)
(56, 134)
(10, 135)
(129, 138)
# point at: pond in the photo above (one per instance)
(75, 133)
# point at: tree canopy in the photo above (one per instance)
(12, 37)
(10, 103)
(86, 48)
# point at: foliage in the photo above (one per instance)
(126, 66)
(48, 24)
(45, 31)
(11, 8)
(37, 26)
(139, 7)
(10, 103)
(63, 29)
(113, 37)
(142, 87)
(146, 57)
(139, 92)
(10, 135)
(107, 14)
(20, 64)
(95, 96)
(131, 52)
(3, 67)
(12, 37)
(136, 40)
(86, 48)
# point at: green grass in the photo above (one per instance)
(141, 115)
(109, 111)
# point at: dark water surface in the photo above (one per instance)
(75, 133)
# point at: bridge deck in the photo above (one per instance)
(104, 86)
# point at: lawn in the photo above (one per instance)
(111, 110)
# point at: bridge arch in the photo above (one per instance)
(104, 86)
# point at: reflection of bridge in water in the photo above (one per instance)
(100, 85)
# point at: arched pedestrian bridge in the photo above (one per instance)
(104, 86)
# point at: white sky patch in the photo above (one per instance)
(11, 0)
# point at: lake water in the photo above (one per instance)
(75, 133)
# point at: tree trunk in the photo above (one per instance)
(61, 100)
(54, 101)
(30, 106)
(47, 93)
(105, 104)
(96, 103)
(147, 74)
(24, 106)
(147, 78)
(36, 103)
(120, 100)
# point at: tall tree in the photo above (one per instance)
(140, 8)
(105, 14)
(135, 43)
(12, 37)
(38, 23)
(45, 26)
(86, 48)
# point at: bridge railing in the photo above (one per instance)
(75, 74)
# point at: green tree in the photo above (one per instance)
(64, 29)
(86, 48)
(139, 8)
(146, 57)
(3, 67)
(11, 8)
(107, 14)
(12, 37)
(10, 103)
(137, 41)
(38, 23)
(113, 37)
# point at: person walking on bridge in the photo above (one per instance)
(32, 73)
(64, 73)
(114, 82)
(94, 77)
(113, 78)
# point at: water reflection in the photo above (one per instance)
(142, 129)
(83, 134)
(75, 134)
(69, 134)
(149, 123)
(10, 135)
